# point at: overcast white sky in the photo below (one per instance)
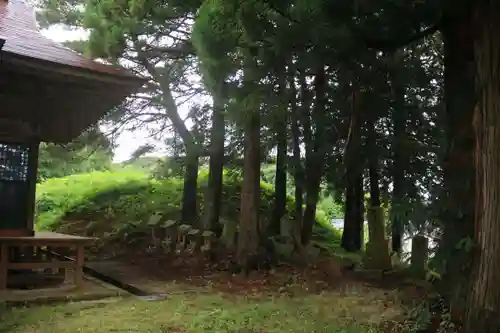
(127, 142)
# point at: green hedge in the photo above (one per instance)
(120, 202)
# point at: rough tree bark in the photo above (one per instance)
(279, 208)
(352, 235)
(298, 170)
(399, 166)
(306, 98)
(458, 168)
(483, 304)
(249, 227)
(373, 167)
(213, 196)
(315, 162)
(189, 211)
(248, 234)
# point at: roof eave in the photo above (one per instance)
(122, 78)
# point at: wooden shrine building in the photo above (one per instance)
(47, 93)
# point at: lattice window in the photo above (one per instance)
(13, 162)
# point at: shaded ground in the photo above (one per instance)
(347, 311)
(201, 298)
(92, 290)
(327, 274)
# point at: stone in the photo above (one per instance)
(377, 255)
(229, 233)
(285, 229)
(419, 254)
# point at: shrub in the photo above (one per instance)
(58, 196)
(118, 203)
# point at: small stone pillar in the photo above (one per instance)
(419, 254)
(285, 230)
(229, 233)
(377, 249)
(376, 226)
(172, 234)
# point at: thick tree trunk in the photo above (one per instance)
(280, 186)
(315, 160)
(298, 170)
(305, 122)
(248, 234)
(312, 188)
(189, 212)
(360, 214)
(281, 163)
(400, 159)
(213, 196)
(374, 187)
(373, 167)
(484, 300)
(352, 235)
(458, 168)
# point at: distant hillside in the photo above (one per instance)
(146, 163)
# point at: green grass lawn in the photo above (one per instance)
(347, 311)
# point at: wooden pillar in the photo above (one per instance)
(4, 261)
(32, 178)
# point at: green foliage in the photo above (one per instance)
(244, 49)
(91, 151)
(57, 196)
(169, 167)
(113, 24)
(56, 161)
(145, 164)
(56, 11)
(215, 34)
(331, 208)
(432, 275)
(128, 199)
(328, 208)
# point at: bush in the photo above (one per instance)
(58, 196)
(116, 204)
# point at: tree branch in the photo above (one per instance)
(396, 43)
(372, 43)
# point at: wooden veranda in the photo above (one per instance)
(47, 93)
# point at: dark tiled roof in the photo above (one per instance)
(49, 86)
(23, 38)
